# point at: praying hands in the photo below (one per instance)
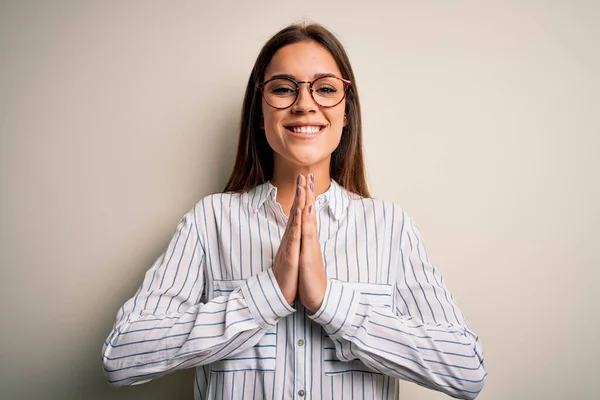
(298, 266)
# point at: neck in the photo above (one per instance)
(284, 178)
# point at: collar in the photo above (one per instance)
(336, 197)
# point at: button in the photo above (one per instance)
(321, 201)
(301, 393)
(300, 342)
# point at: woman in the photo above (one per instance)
(294, 283)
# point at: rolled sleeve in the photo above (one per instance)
(265, 300)
(338, 308)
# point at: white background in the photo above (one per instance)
(481, 118)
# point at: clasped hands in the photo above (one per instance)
(298, 266)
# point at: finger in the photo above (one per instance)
(294, 237)
(310, 199)
(308, 214)
(312, 195)
(294, 206)
(302, 193)
(293, 229)
(296, 194)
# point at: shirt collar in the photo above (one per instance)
(336, 197)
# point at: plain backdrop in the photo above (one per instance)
(481, 119)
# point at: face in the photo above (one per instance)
(303, 135)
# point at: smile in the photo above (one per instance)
(305, 129)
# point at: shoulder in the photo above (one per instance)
(217, 203)
(226, 203)
(386, 208)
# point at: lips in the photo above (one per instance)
(304, 129)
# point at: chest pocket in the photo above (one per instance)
(260, 357)
(379, 296)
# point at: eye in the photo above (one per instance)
(282, 90)
(326, 89)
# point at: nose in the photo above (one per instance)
(304, 102)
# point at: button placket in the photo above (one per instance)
(300, 353)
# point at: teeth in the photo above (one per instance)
(306, 129)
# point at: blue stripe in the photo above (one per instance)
(231, 258)
(454, 365)
(175, 245)
(347, 312)
(242, 369)
(219, 255)
(250, 264)
(273, 284)
(207, 245)
(258, 308)
(347, 222)
(366, 233)
(421, 258)
(187, 275)
(404, 267)
(244, 386)
(358, 263)
(391, 240)
(448, 352)
(376, 239)
(198, 268)
(325, 302)
(412, 267)
(248, 358)
(241, 258)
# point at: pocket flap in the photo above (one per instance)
(224, 287)
(375, 294)
(260, 357)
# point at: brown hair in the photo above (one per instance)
(254, 159)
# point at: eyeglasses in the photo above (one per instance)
(282, 92)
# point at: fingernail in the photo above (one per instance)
(298, 180)
(310, 209)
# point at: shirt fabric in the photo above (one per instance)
(210, 301)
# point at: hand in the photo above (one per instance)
(312, 280)
(285, 267)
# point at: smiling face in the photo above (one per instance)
(303, 135)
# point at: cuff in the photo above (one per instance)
(338, 308)
(265, 300)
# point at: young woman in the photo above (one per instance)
(294, 283)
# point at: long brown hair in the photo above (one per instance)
(254, 160)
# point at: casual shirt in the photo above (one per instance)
(211, 302)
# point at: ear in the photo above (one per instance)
(345, 120)
(261, 124)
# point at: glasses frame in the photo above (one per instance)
(261, 87)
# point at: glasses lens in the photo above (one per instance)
(328, 91)
(280, 93)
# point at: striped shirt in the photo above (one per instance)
(211, 302)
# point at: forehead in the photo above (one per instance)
(302, 60)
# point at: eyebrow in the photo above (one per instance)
(292, 77)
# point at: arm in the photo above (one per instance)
(426, 340)
(166, 327)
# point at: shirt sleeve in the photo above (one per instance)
(166, 326)
(425, 340)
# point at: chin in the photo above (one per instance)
(307, 160)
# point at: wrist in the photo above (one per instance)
(315, 301)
